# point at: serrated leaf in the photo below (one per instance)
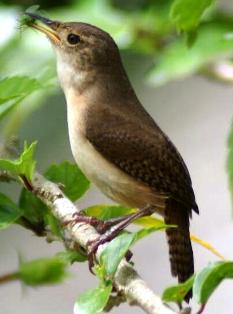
(74, 181)
(43, 271)
(186, 14)
(93, 301)
(72, 256)
(209, 278)
(24, 165)
(178, 61)
(178, 292)
(9, 211)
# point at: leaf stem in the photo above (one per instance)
(201, 309)
(8, 278)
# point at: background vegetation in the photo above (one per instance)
(172, 39)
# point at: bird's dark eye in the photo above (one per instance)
(73, 39)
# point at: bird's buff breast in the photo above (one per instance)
(107, 177)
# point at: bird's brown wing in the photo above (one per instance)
(144, 153)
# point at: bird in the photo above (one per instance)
(114, 140)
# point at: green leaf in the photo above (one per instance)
(24, 165)
(209, 278)
(14, 90)
(8, 104)
(186, 14)
(43, 271)
(178, 292)
(33, 9)
(109, 260)
(150, 222)
(74, 181)
(54, 224)
(38, 214)
(34, 209)
(178, 61)
(105, 212)
(147, 231)
(3, 100)
(9, 212)
(17, 86)
(93, 301)
(72, 256)
(26, 20)
(113, 253)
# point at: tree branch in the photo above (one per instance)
(126, 280)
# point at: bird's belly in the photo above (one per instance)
(112, 181)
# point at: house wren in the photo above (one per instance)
(114, 140)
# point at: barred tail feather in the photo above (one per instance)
(180, 248)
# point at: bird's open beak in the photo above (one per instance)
(45, 25)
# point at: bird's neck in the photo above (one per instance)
(102, 84)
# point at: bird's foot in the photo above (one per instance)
(101, 226)
(92, 247)
(114, 227)
(80, 217)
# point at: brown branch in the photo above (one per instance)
(8, 278)
(6, 177)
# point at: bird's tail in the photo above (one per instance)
(180, 248)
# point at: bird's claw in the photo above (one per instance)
(92, 247)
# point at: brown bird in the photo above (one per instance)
(114, 140)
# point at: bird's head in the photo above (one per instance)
(83, 51)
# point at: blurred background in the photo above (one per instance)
(187, 90)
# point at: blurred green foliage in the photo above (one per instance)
(9, 211)
(24, 166)
(43, 271)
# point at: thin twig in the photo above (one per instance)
(8, 278)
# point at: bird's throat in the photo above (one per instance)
(72, 77)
